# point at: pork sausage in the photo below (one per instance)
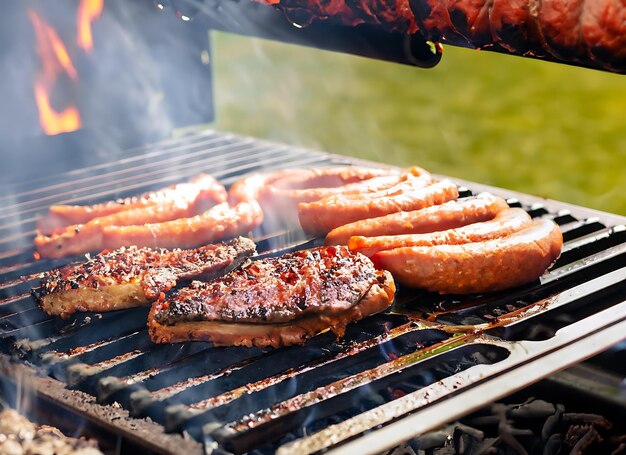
(505, 223)
(220, 222)
(306, 185)
(449, 215)
(322, 216)
(476, 267)
(280, 192)
(202, 191)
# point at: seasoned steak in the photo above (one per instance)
(275, 301)
(132, 276)
(276, 289)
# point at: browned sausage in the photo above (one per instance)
(220, 222)
(280, 192)
(505, 223)
(322, 216)
(450, 215)
(476, 267)
(173, 202)
(305, 185)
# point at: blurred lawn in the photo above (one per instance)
(541, 128)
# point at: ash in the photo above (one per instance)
(20, 436)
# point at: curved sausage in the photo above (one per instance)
(449, 215)
(167, 211)
(280, 192)
(505, 223)
(477, 267)
(322, 216)
(305, 185)
(204, 190)
(220, 222)
(413, 177)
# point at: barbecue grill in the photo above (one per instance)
(429, 360)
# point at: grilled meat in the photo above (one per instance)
(395, 15)
(130, 277)
(321, 217)
(306, 185)
(505, 223)
(176, 201)
(275, 301)
(219, 222)
(449, 215)
(280, 192)
(486, 266)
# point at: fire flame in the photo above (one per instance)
(55, 60)
(88, 11)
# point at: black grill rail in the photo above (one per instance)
(239, 399)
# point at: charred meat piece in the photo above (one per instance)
(130, 277)
(275, 301)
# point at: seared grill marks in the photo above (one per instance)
(304, 286)
(276, 289)
(131, 276)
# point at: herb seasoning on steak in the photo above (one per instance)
(130, 277)
(275, 301)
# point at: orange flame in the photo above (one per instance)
(88, 11)
(55, 60)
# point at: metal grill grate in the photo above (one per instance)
(422, 355)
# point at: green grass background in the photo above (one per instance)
(541, 128)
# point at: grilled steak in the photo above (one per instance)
(275, 301)
(130, 277)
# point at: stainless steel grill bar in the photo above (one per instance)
(529, 362)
